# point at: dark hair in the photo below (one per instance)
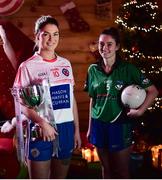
(40, 23)
(44, 20)
(112, 31)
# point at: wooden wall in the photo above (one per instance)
(74, 46)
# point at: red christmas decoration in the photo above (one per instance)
(147, 26)
(85, 142)
(8, 7)
(127, 15)
(93, 46)
(135, 49)
(23, 48)
(72, 15)
(103, 9)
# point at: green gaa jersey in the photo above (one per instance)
(105, 89)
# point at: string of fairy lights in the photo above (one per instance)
(152, 27)
(140, 55)
(156, 105)
(120, 20)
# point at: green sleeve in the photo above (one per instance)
(138, 77)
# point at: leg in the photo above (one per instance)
(59, 168)
(60, 164)
(39, 169)
(104, 158)
(119, 162)
(39, 156)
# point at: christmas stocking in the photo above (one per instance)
(103, 9)
(76, 22)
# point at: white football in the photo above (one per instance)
(133, 96)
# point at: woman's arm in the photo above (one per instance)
(48, 132)
(77, 138)
(152, 93)
(89, 125)
(8, 48)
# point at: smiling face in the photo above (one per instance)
(107, 46)
(48, 38)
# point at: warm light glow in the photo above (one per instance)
(95, 155)
(83, 153)
(90, 155)
(157, 156)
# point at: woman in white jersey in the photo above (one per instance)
(45, 63)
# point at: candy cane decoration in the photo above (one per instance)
(8, 7)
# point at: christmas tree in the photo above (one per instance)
(141, 32)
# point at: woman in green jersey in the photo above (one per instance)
(110, 125)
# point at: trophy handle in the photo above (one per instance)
(19, 126)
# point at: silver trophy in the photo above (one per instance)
(32, 96)
(37, 97)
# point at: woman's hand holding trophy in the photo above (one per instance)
(37, 98)
(33, 97)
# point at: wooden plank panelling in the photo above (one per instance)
(29, 11)
(81, 97)
(80, 71)
(78, 57)
(77, 42)
(83, 106)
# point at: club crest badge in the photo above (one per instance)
(65, 72)
(35, 152)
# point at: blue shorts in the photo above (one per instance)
(39, 150)
(113, 136)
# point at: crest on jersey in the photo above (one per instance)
(119, 85)
(65, 72)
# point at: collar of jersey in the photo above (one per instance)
(50, 60)
(46, 60)
(117, 62)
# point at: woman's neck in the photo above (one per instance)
(47, 54)
(108, 63)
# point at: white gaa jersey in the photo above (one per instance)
(59, 72)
